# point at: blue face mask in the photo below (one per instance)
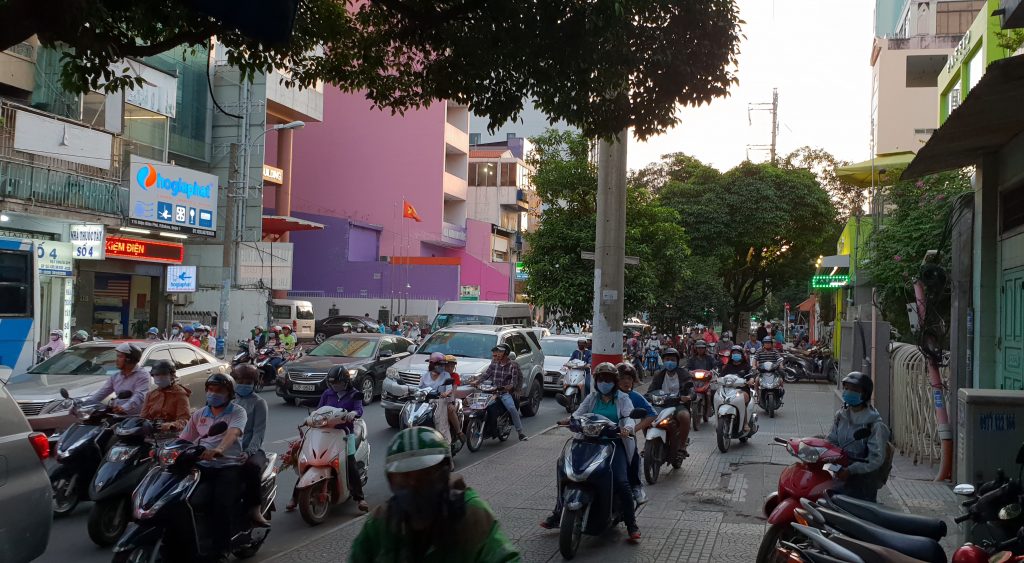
(244, 389)
(671, 365)
(852, 398)
(216, 399)
(606, 387)
(736, 357)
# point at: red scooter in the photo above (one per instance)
(701, 409)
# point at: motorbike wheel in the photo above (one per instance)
(314, 503)
(108, 520)
(391, 417)
(570, 532)
(769, 403)
(367, 389)
(722, 433)
(65, 492)
(832, 371)
(475, 434)
(141, 554)
(570, 405)
(776, 534)
(789, 377)
(319, 337)
(707, 410)
(653, 451)
(504, 428)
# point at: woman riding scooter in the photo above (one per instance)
(435, 379)
(609, 402)
(738, 365)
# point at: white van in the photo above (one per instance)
(296, 314)
(482, 313)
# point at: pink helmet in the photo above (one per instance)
(436, 357)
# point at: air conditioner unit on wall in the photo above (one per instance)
(180, 298)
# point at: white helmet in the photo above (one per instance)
(57, 332)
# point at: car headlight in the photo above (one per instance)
(58, 405)
(392, 373)
(353, 372)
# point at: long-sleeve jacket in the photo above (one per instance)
(255, 422)
(872, 448)
(169, 405)
(346, 400)
(622, 402)
(137, 382)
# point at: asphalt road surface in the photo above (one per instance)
(69, 540)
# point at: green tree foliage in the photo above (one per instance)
(559, 279)
(602, 66)
(919, 221)
(848, 198)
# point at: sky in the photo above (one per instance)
(817, 53)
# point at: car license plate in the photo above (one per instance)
(303, 387)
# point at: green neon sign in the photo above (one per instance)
(830, 282)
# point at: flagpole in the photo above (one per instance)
(391, 273)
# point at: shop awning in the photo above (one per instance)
(808, 304)
(277, 225)
(861, 173)
(990, 117)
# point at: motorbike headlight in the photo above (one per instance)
(591, 429)
(121, 454)
(280, 371)
(392, 373)
(318, 421)
(167, 456)
(807, 453)
(664, 423)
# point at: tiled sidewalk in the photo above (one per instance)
(709, 510)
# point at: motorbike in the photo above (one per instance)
(769, 388)
(127, 461)
(574, 378)
(817, 363)
(588, 505)
(729, 408)
(80, 450)
(422, 410)
(246, 353)
(480, 426)
(323, 461)
(171, 524)
(704, 385)
(652, 359)
(659, 439)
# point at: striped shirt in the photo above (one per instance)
(767, 355)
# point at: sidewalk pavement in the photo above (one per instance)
(708, 510)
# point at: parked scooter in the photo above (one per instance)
(705, 383)
(421, 410)
(323, 461)
(815, 364)
(246, 353)
(478, 424)
(659, 439)
(574, 378)
(769, 388)
(80, 450)
(588, 505)
(729, 405)
(170, 525)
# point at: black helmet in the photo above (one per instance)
(131, 350)
(861, 381)
(626, 370)
(224, 381)
(700, 344)
(506, 349)
(605, 368)
(338, 374)
(163, 367)
(670, 352)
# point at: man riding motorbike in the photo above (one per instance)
(676, 380)
(583, 353)
(153, 333)
(245, 376)
(504, 374)
(129, 377)
(861, 479)
(738, 365)
(432, 516)
(608, 401)
(169, 401)
(259, 337)
(700, 358)
(176, 333)
(434, 379)
(627, 379)
(79, 337)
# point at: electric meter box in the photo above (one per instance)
(989, 432)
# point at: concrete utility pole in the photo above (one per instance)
(774, 108)
(610, 249)
(234, 178)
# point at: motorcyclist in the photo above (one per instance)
(614, 405)
(221, 464)
(450, 364)
(725, 343)
(168, 403)
(54, 346)
(627, 379)
(346, 328)
(504, 374)
(428, 504)
(259, 337)
(738, 365)
(651, 358)
(190, 335)
(434, 379)
(701, 359)
(206, 342)
(861, 479)
(245, 376)
(79, 337)
(583, 353)
(676, 380)
(153, 333)
(176, 331)
(767, 353)
(751, 346)
(288, 339)
(129, 377)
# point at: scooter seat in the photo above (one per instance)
(891, 519)
(925, 549)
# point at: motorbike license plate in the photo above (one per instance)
(300, 387)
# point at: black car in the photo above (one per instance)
(366, 356)
(327, 327)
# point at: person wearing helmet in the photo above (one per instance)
(288, 339)
(346, 328)
(189, 335)
(176, 332)
(861, 479)
(627, 380)
(129, 377)
(451, 363)
(168, 403)
(428, 503)
(709, 336)
(608, 401)
(259, 337)
(54, 346)
(245, 376)
(435, 379)
(79, 337)
(582, 351)
(504, 374)
(725, 342)
(676, 380)
(767, 353)
(738, 365)
(221, 465)
(701, 359)
(153, 333)
(752, 345)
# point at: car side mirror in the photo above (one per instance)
(64, 393)
(861, 434)
(385, 354)
(126, 394)
(411, 349)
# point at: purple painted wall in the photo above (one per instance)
(363, 244)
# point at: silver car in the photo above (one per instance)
(25, 490)
(83, 369)
(557, 350)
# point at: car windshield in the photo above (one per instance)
(461, 344)
(448, 319)
(343, 346)
(89, 360)
(558, 347)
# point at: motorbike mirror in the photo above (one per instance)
(126, 394)
(861, 434)
(561, 400)
(217, 429)
(512, 356)
(638, 414)
(964, 489)
(64, 393)
(1009, 512)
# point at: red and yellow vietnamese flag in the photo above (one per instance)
(409, 212)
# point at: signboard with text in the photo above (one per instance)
(145, 250)
(181, 279)
(87, 241)
(54, 258)
(469, 293)
(172, 198)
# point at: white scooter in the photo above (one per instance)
(574, 378)
(729, 406)
(323, 461)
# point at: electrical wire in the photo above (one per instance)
(209, 84)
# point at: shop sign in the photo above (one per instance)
(273, 174)
(830, 282)
(171, 198)
(145, 250)
(69, 300)
(87, 241)
(158, 92)
(521, 274)
(181, 279)
(959, 52)
(469, 293)
(54, 258)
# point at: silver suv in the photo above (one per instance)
(25, 491)
(471, 344)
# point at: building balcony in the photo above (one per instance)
(454, 187)
(291, 104)
(39, 186)
(456, 141)
(512, 197)
(18, 67)
(922, 42)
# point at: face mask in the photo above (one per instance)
(175, 331)
(437, 369)
(852, 398)
(162, 381)
(736, 357)
(244, 389)
(605, 387)
(671, 365)
(216, 399)
(339, 387)
(421, 502)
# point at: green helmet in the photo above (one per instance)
(417, 448)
